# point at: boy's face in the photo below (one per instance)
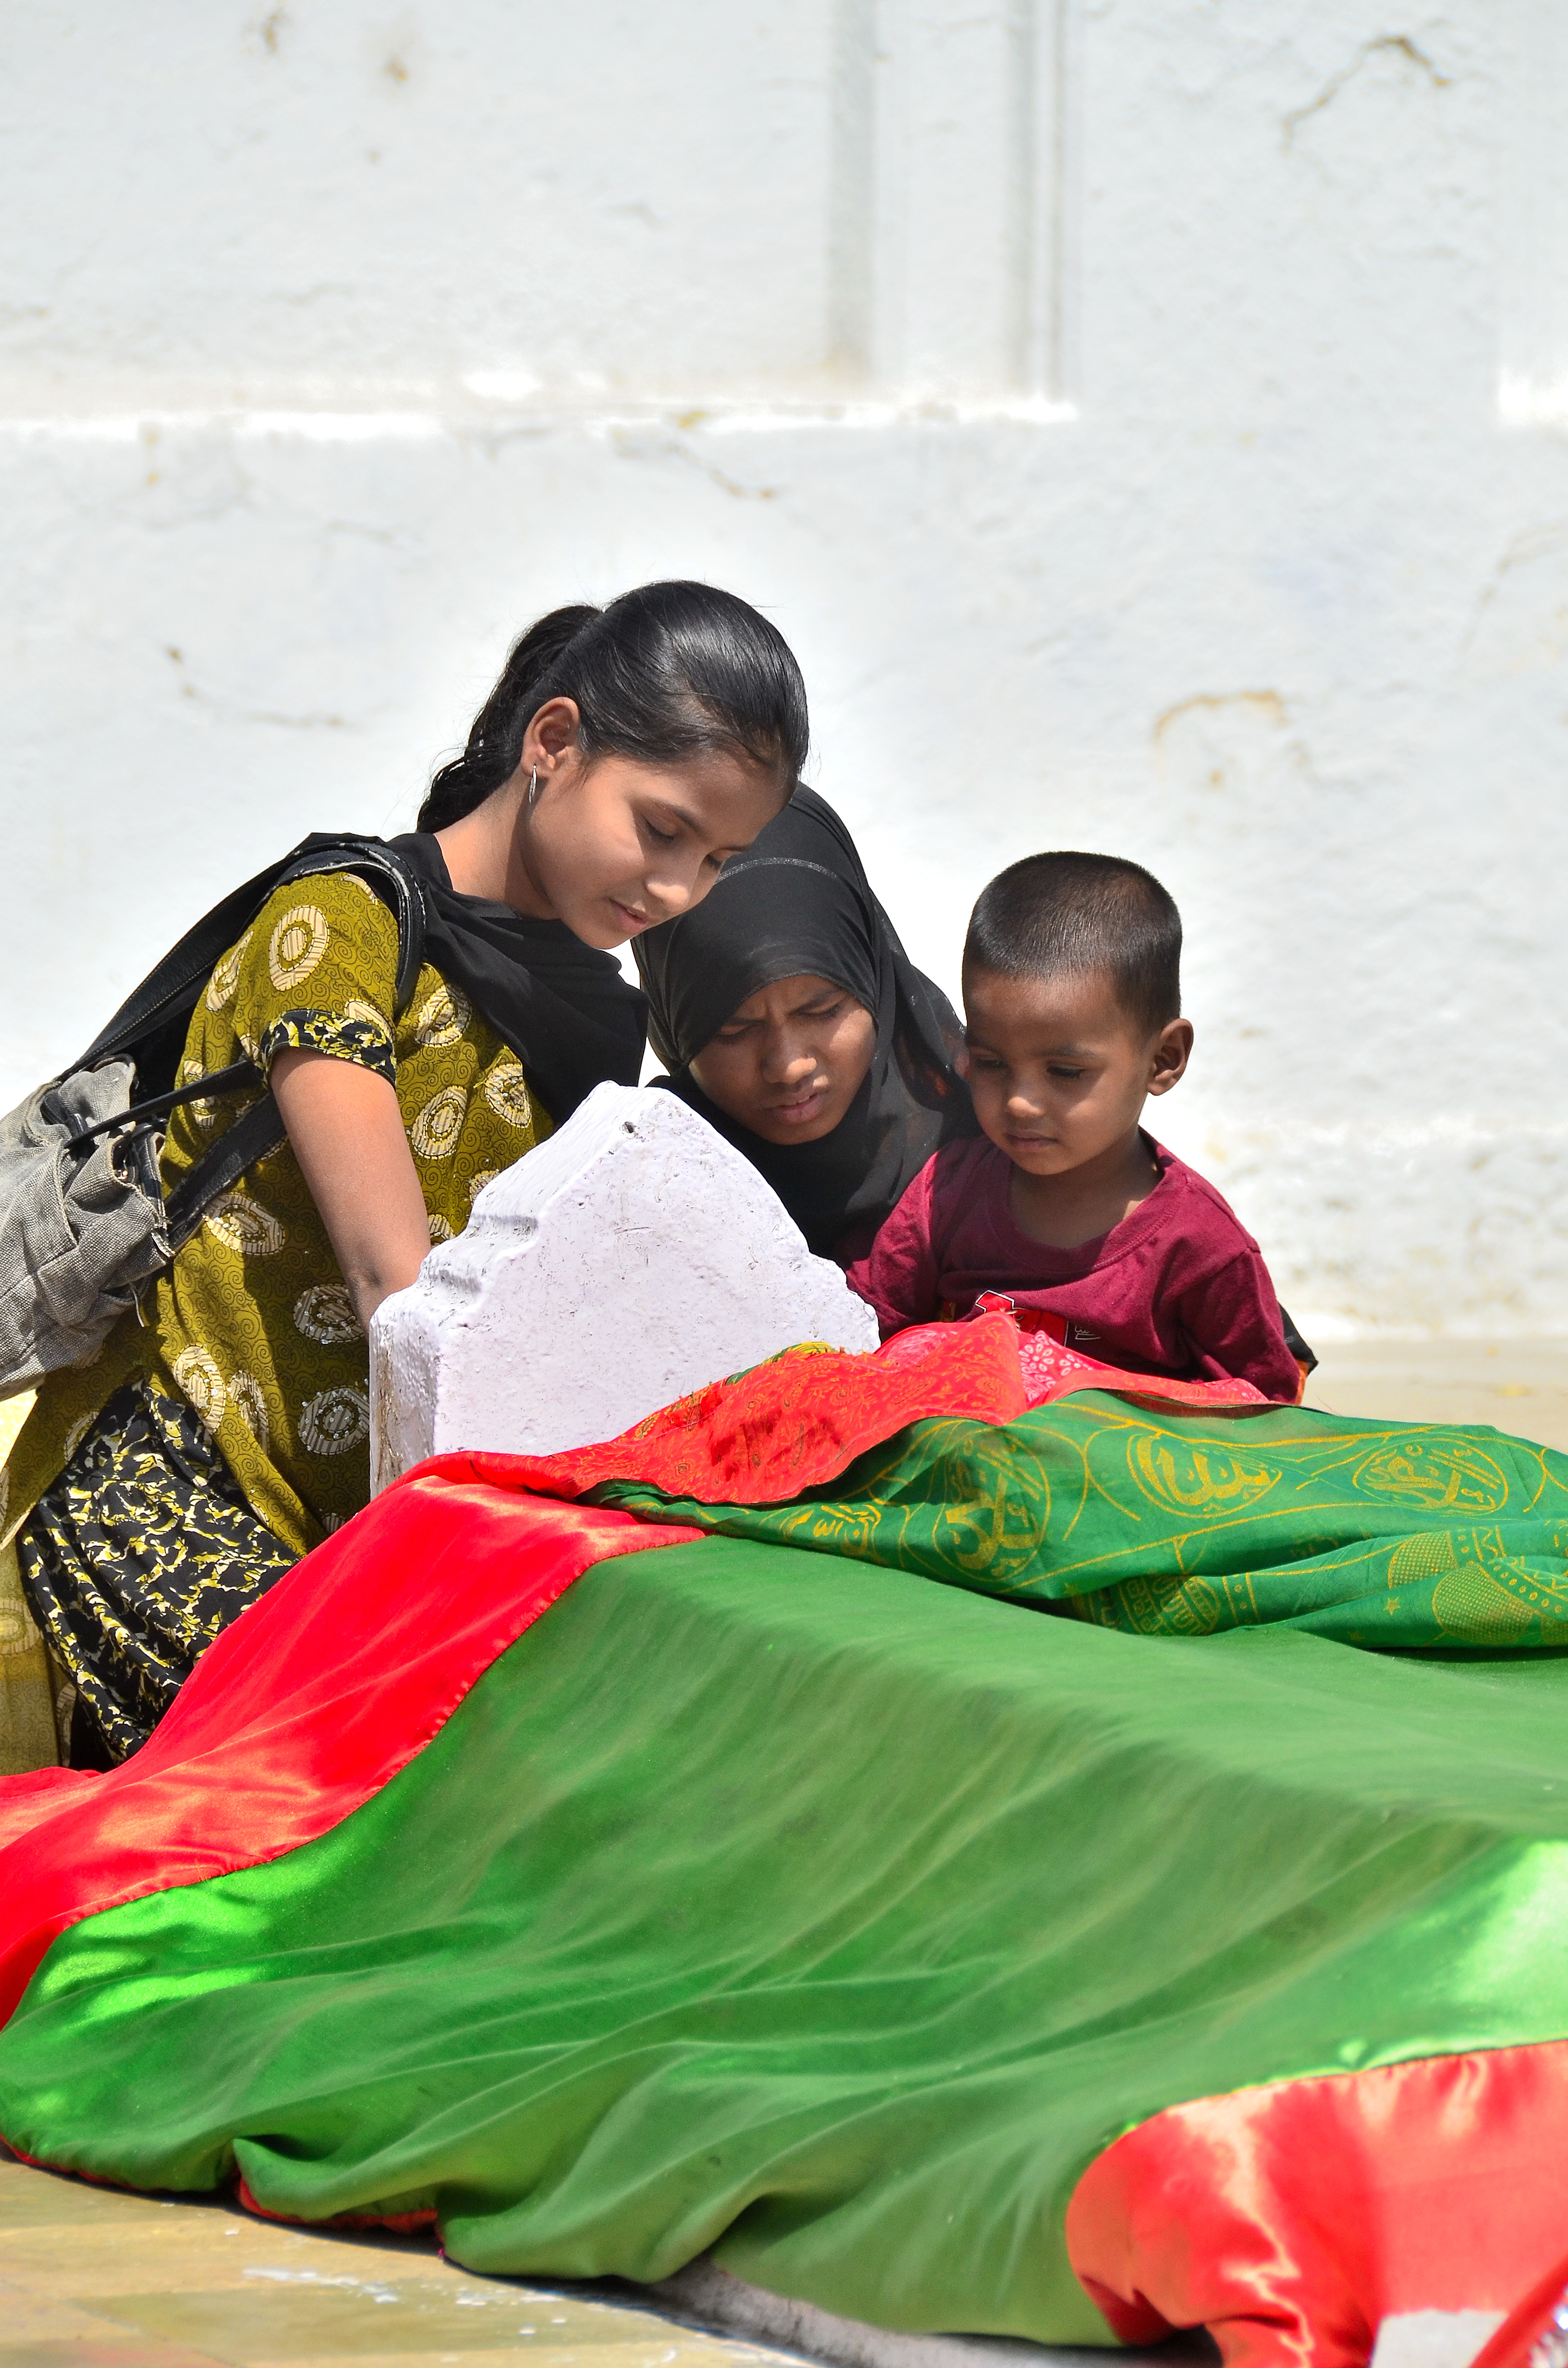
(1058, 1070)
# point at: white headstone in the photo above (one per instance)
(633, 1257)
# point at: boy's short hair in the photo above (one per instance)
(1082, 913)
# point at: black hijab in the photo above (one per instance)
(564, 1008)
(799, 902)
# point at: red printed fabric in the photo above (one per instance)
(803, 1418)
(1051, 1370)
(305, 1707)
(1292, 2219)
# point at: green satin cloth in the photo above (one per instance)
(768, 1902)
(1408, 1536)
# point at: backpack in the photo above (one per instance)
(84, 1225)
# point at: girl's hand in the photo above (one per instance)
(347, 1134)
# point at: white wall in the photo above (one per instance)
(1142, 417)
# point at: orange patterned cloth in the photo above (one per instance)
(804, 1417)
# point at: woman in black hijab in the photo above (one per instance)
(791, 1018)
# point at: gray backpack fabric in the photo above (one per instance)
(84, 1225)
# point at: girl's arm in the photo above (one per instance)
(347, 1135)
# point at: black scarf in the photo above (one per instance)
(564, 1008)
(798, 902)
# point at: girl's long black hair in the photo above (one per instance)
(668, 671)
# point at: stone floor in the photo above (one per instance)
(1518, 1386)
(93, 2279)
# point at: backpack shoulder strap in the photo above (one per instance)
(177, 979)
(261, 1129)
(393, 882)
(174, 984)
(157, 1001)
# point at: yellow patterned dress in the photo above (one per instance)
(157, 1491)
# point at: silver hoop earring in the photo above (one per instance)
(533, 786)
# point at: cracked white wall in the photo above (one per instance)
(1142, 415)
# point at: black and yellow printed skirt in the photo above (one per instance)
(141, 1554)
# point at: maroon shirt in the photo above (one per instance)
(1176, 1287)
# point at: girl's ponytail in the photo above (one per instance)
(495, 742)
(670, 671)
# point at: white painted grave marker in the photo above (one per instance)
(633, 1257)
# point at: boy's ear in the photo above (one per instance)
(1173, 1049)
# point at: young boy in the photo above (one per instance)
(1073, 1002)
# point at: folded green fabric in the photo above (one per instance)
(1407, 1536)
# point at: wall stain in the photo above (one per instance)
(1537, 542)
(635, 449)
(1397, 44)
(1267, 705)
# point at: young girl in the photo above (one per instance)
(622, 757)
(794, 1021)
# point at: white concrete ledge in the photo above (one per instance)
(401, 421)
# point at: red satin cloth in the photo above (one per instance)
(1542, 2313)
(1291, 2220)
(802, 1420)
(305, 1707)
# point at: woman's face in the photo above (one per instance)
(791, 1061)
(611, 846)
